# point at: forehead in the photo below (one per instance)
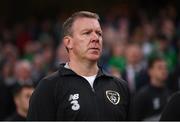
(159, 63)
(134, 48)
(86, 23)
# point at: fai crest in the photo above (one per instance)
(113, 96)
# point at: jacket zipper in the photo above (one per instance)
(95, 100)
(94, 96)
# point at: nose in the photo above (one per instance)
(95, 37)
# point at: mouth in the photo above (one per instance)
(94, 49)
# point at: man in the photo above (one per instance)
(80, 90)
(149, 102)
(134, 72)
(23, 73)
(22, 94)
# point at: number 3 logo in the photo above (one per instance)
(75, 105)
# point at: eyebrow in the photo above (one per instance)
(89, 29)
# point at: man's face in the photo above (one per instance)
(86, 39)
(159, 70)
(133, 54)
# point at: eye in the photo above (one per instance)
(99, 33)
(87, 32)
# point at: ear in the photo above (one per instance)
(68, 42)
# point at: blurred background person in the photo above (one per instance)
(164, 48)
(23, 72)
(10, 53)
(61, 55)
(149, 102)
(38, 68)
(117, 59)
(48, 54)
(22, 94)
(134, 70)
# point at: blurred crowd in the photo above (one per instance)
(141, 49)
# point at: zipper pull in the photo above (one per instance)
(93, 89)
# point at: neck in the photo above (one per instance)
(156, 83)
(84, 68)
(22, 113)
(133, 65)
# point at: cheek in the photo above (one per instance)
(165, 73)
(79, 46)
(101, 43)
(79, 40)
(161, 73)
(155, 73)
(26, 102)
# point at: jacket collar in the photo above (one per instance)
(65, 72)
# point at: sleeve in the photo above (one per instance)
(42, 102)
(172, 109)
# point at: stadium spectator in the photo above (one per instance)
(22, 94)
(149, 102)
(134, 71)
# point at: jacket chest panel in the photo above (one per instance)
(81, 101)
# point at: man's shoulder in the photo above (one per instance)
(120, 81)
(117, 80)
(122, 84)
(50, 79)
(48, 84)
(52, 76)
(113, 78)
(176, 96)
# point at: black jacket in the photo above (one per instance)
(64, 95)
(16, 117)
(141, 79)
(172, 109)
(149, 102)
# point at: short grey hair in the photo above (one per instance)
(67, 25)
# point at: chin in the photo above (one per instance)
(94, 57)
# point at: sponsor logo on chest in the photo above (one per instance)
(73, 98)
